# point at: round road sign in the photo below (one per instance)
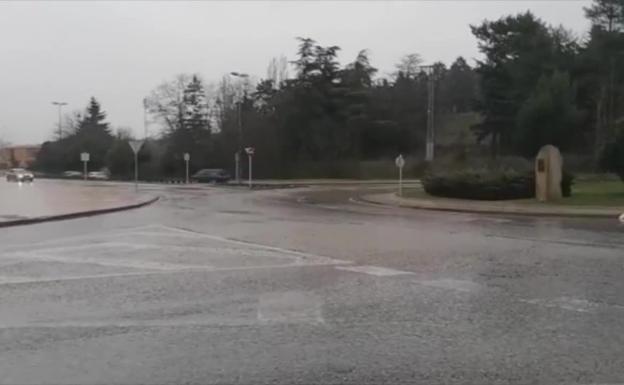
(399, 161)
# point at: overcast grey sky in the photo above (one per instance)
(119, 51)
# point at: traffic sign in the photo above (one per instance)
(250, 150)
(136, 145)
(84, 156)
(187, 156)
(399, 161)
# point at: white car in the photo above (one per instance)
(19, 175)
(72, 174)
(98, 175)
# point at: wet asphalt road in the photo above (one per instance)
(308, 286)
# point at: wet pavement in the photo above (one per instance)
(222, 285)
(48, 197)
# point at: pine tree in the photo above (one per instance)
(93, 121)
(196, 113)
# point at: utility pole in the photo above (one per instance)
(430, 136)
(239, 150)
(60, 117)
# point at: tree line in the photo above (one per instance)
(536, 84)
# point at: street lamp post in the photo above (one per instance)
(60, 127)
(430, 137)
(240, 129)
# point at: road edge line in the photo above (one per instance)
(79, 214)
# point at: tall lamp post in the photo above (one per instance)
(430, 137)
(60, 127)
(239, 151)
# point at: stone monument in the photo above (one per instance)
(548, 164)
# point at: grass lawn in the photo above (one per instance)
(596, 193)
(584, 193)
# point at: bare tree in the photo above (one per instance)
(277, 70)
(227, 94)
(166, 102)
(409, 65)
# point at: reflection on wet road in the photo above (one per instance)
(306, 286)
(48, 197)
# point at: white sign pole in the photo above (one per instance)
(250, 165)
(187, 157)
(400, 163)
(136, 171)
(136, 147)
(84, 157)
(250, 152)
(400, 181)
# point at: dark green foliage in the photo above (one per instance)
(612, 157)
(487, 184)
(548, 116)
(519, 50)
(480, 184)
(567, 181)
(91, 134)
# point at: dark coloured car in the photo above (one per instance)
(19, 175)
(211, 175)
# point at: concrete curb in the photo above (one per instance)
(79, 214)
(390, 199)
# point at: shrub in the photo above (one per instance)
(487, 184)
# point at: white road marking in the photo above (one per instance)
(5, 280)
(317, 257)
(572, 304)
(110, 262)
(452, 284)
(374, 270)
(106, 249)
(362, 203)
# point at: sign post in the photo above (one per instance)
(250, 153)
(136, 147)
(84, 157)
(187, 157)
(400, 162)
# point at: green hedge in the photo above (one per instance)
(487, 184)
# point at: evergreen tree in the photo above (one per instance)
(196, 114)
(518, 51)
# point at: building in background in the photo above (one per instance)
(18, 156)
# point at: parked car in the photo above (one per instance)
(19, 175)
(211, 175)
(72, 174)
(98, 175)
